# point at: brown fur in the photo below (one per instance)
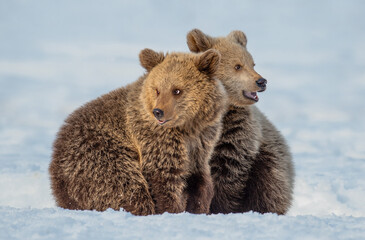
(251, 165)
(113, 153)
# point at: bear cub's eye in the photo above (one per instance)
(176, 92)
(238, 67)
(157, 92)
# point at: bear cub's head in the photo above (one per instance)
(236, 70)
(180, 87)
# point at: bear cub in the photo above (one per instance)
(252, 168)
(144, 147)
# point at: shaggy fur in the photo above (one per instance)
(251, 165)
(114, 153)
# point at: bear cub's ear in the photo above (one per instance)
(239, 37)
(198, 41)
(208, 61)
(149, 58)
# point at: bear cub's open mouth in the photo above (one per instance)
(251, 95)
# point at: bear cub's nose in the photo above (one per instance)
(261, 83)
(158, 113)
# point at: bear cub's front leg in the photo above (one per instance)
(200, 187)
(165, 169)
(200, 193)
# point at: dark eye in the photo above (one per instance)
(238, 67)
(176, 92)
(157, 92)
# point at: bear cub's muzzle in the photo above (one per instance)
(261, 83)
(158, 113)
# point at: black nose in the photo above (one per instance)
(158, 113)
(261, 83)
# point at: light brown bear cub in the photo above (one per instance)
(145, 147)
(251, 165)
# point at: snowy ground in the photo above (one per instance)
(57, 55)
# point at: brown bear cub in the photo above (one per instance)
(144, 147)
(251, 165)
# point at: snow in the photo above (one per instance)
(66, 224)
(55, 56)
